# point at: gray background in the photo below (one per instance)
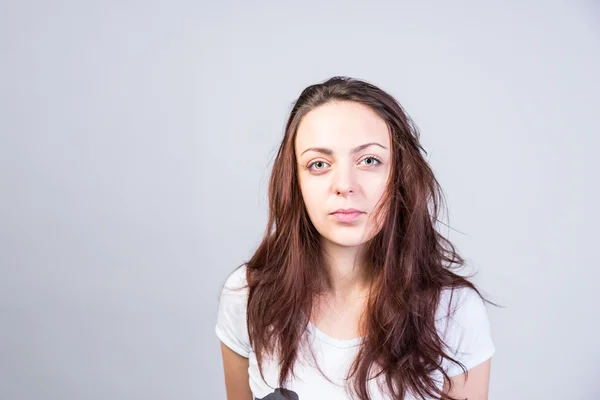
(136, 144)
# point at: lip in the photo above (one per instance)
(346, 215)
(346, 211)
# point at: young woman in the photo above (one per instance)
(351, 293)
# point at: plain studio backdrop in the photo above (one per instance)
(137, 139)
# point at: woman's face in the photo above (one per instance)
(343, 153)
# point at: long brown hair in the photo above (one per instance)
(409, 261)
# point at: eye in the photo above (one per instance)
(372, 161)
(319, 164)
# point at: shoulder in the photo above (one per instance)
(461, 305)
(234, 292)
(464, 328)
(231, 327)
(236, 281)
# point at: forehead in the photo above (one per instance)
(341, 126)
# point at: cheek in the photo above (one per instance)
(375, 188)
(313, 196)
(376, 191)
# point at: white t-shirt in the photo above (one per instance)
(466, 331)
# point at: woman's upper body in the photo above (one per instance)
(466, 331)
(351, 290)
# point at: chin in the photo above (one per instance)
(347, 240)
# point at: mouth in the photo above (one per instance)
(349, 215)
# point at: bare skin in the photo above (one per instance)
(477, 385)
(236, 375)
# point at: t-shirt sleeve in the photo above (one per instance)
(467, 332)
(231, 327)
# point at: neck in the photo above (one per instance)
(346, 269)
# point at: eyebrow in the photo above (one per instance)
(354, 150)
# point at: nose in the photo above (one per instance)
(343, 181)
